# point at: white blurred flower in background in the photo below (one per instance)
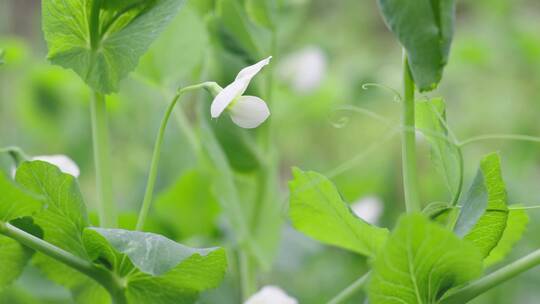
(63, 162)
(304, 69)
(271, 295)
(369, 208)
(246, 111)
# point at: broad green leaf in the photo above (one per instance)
(14, 204)
(1, 57)
(421, 261)
(515, 227)
(122, 40)
(317, 209)
(62, 220)
(484, 212)
(425, 29)
(156, 269)
(431, 121)
(189, 207)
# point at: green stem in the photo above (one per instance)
(247, 279)
(519, 137)
(152, 175)
(101, 275)
(476, 288)
(100, 137)
(94, 24)
(410, 181)
(350, 290)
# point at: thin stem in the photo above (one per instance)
(348, 292)
(94, 24)
(100, 137)
(518, 137)
(247, 279)
(410, 181)
(152, 175)
(493, 279)
(101, 275)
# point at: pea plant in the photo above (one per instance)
(43, 214)
(436, 253)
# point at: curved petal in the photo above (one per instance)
(64, 163)
(271, 295)
(249, 112)
(228, 95)
(252, 70)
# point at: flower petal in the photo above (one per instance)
(236, 88)
(271, 295)
(64, 163)
(369, 209)
(252, 70)
(228, 95)
(249, 112)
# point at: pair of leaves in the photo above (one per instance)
(485, 218)
(484, 212)
(420, 262)
(15, 203)
(156, 265)
(125, 31)
(425, 29)
(446, 155)
(317, 209)
(154, 268)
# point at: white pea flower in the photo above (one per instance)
(63, 162)
(304, 69)
(246, 111)
(271, 295)
(368, 208)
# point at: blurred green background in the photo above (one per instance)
(491, 85)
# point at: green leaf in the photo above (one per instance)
(189, 206)
(515, 227)
(421, 261)
(317, 209)
(484, 213)
(13, 259)
(14, 204)
(156, 269)
(2, 57)
(122, 39)
(431, 121)
(63, 219)
(425, 29)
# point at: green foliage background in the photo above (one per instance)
(491, 85)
